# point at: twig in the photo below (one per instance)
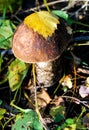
(84, 71)
(82, 44)
(77, 100)
(43, 5)
(83, 6)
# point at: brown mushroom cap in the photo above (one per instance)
(31, 47)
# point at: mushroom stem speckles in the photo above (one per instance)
(48, 73)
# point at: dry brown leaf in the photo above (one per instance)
(43, 98)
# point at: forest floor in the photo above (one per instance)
(67, 102)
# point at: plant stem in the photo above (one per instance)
(36, 103)
(46, 4)
(15, 106)
(34, 84)
(8, 121)
(83, 110)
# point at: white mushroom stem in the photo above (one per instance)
(48, 73)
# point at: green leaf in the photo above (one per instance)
(16, 73)
(2, 112)
(1, 60)
(1, 101)
(57, 110)
(6, 32)
(10, 5)
(69, 121)
(58, 118)
(27, 121)
(67, 18)
(63, 15)
(69, 124)
(70, 127)
(58, 128)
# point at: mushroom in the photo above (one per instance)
(30, 46)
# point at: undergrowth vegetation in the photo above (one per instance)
(64, 106)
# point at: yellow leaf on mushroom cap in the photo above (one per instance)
(42, 22)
